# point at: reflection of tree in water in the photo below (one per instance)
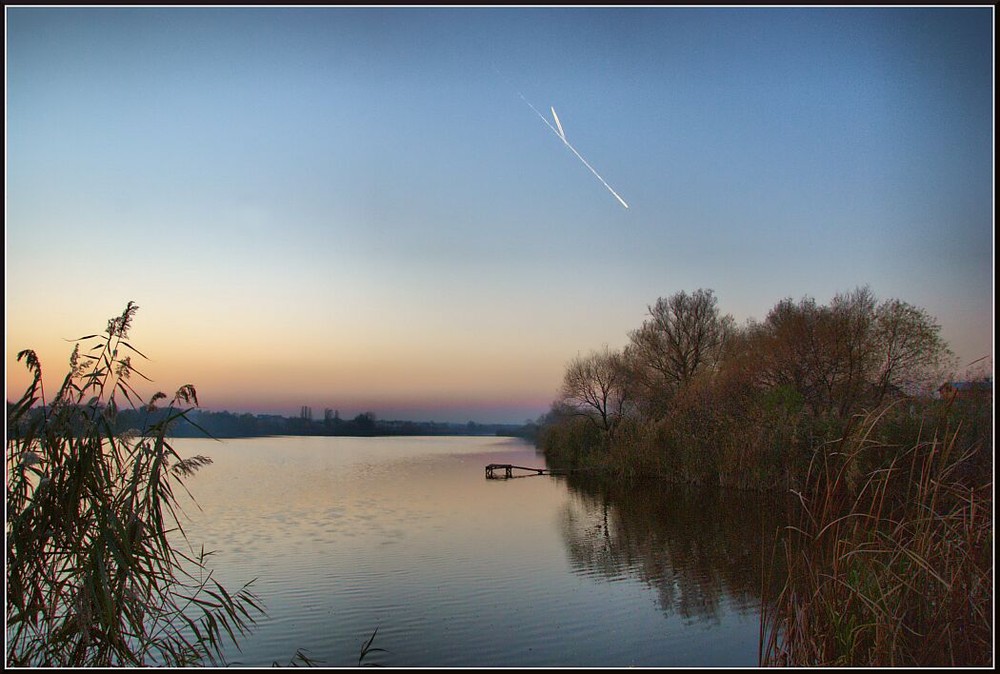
(698, 547)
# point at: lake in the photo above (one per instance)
(406, 535)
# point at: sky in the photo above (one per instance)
(357, 209)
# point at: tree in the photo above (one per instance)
(94, 578)
(847, 355)
(365, 422)
(595, 386)
(910, 351)
(800, 346)
(851, 322)
(684, 336)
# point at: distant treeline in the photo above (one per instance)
(693, 397)
(228, 424)
(197, 423)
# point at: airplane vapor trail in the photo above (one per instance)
(562, 137)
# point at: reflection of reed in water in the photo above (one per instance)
(698, 547)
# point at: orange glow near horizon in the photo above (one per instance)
(255, 371)
(227, 387)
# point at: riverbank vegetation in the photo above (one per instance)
(99, 573)
(890, 558)
(694, 398)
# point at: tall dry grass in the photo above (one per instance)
(94, 577)
(892, 563)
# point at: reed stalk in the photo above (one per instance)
(891, 563)
(94, 578)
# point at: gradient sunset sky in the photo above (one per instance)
(355, 209)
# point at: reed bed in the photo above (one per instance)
(891, 564)
(95, 576)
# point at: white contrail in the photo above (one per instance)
(610, 189)
(562, 137)
(562, 134)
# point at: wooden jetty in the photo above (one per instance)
(508, 471)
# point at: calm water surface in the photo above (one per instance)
(405, 534)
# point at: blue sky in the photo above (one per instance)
(355, 209)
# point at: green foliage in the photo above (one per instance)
(783, 400)
(572, 442)
(94, 578)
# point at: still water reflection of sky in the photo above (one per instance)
(405, 534)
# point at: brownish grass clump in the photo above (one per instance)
(892, 562)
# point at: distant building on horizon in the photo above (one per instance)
(964, 390)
